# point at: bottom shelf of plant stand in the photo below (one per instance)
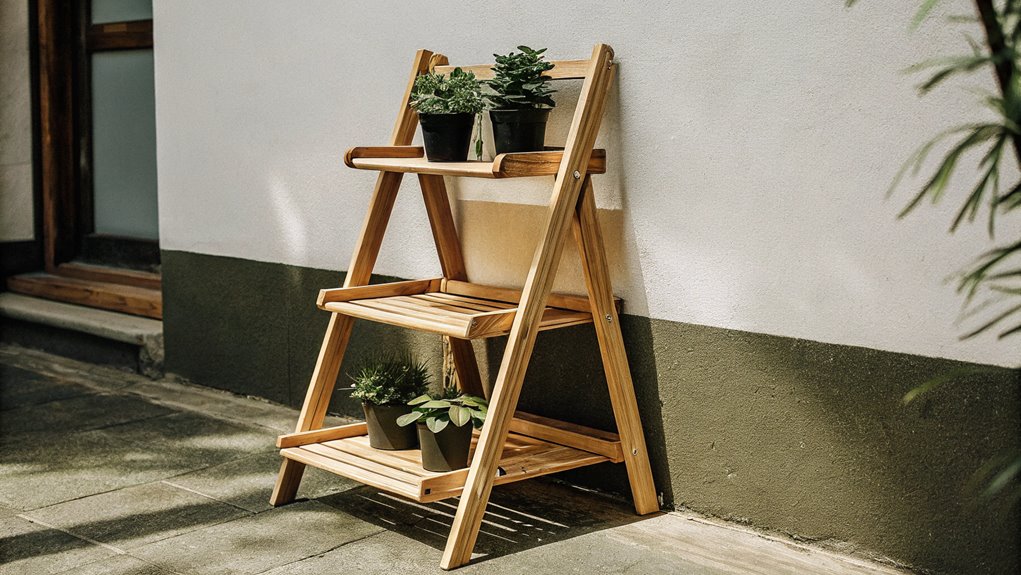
(535, 446)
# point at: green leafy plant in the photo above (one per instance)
(991, 285)
(460, 93)
(518, 81)
(390, 380)
(451, 406)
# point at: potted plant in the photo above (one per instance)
(447, 107)
(521, 100)
(443, 427)
(385, 385)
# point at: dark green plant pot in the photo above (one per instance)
(447, 137)
(446, 450)
(384, 433)
(519, 130)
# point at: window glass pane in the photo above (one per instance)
(124, 144)
(120, 10)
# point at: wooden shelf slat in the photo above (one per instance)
(104, 295)
(537, 446)
(458, 316)
(411, 159)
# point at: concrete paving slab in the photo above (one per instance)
(520, 515)
(28, 548)
(81, 413)
(58, 369)
(119, 565)
(22, 388)
(136, 516)
(248, 482)
(56, 467)
(260, 542)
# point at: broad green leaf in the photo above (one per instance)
(436, 424)
(435, 404)
(459, 415)
(409, 418)
(420, 399)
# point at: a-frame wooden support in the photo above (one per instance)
(572, 206)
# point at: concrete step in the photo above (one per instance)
(83, 333)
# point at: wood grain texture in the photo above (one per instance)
(112, 275)
(562, 70)
(321, 435)
(538, 284)
(515, 165)
(401, 472)
(58, 184)
(448, 248)
(114, 297)
(611, 347)
(338, 331)
(511, 295)
(359, 152)
(119, 36)
(464, 318)
(378, 290)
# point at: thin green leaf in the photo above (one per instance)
(941, 380)
(923, 12)
(1004, 315)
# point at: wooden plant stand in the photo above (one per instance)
(512, 446)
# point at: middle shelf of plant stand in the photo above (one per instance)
(535, 446)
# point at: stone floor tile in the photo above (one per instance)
(138, 515)
(260, 542)
(58, 467)
(248, 482)
(79, 413)
(520, 516)
(28, 548)
(23, 388)
(119, 565)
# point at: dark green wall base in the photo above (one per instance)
(805, 438)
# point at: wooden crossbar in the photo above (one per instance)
(511, 446)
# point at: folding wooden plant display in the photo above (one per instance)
(512, 446)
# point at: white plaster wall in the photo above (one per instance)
(16, 205)
(751, 146)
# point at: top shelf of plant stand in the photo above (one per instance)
(411, 159)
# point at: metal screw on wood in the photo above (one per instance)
(634, 452)
(609, 318)
(577, 174)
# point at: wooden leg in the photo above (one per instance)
(338, 332)
(611, 346)
(448, 247)
(288, 481)
(521, 340)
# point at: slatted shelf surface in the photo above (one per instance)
(459, 316)
(401, 472)
(411, 159)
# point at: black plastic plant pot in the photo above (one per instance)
(447, 136)
(384, 433)
(519, 130)
(446, 450)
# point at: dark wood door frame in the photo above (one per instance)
(65, 41)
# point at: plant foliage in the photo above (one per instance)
(460, 93)
(991, 285)
(518, 82)
(390, 380)
(451, 406)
